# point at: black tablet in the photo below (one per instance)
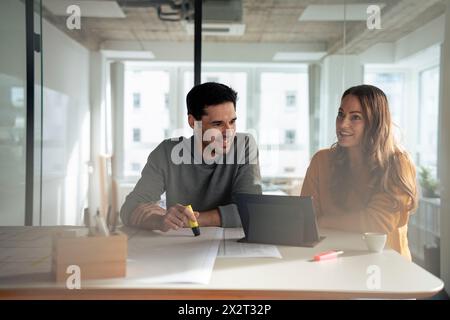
(281, 220)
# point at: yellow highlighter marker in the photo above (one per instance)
(193, 224)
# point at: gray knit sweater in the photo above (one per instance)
(204, 186)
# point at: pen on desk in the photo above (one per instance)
(328, 255)
(193, 224)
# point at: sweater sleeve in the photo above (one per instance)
(150, 186)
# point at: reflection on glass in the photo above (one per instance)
(12, 112)
(146, 115)
(392, 84)
(428, 119)
(283, 128)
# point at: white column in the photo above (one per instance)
(97, 102)
(117, 116)
(444, 153)
(339, 73)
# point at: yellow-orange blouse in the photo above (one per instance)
(373, 212)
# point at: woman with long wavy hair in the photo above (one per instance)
(365, 182)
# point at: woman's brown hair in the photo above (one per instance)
(390, 168)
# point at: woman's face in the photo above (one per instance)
(350, 123)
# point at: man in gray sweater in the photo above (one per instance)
(203, 171)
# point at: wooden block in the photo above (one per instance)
(98, 257)
(91, 249)
(73, 233)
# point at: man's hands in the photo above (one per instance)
(153, 217)
(178, 216)
(143, 212)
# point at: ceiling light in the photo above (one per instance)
(339, 12)
(298, 56)
(217, 29)
(131, 55)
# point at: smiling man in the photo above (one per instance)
(216, 163)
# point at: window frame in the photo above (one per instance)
(420, 93)
(177, 104)
(408, 115)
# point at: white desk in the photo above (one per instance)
(293, 277)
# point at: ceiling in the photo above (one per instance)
(266, 21)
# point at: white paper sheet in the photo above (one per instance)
(230, 248)
(173, 257)
(153, 257)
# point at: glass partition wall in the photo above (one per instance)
(386, 48)
(20, 112)
(299, 57)
(126, 77)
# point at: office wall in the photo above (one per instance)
(422, 38)
(66, 127)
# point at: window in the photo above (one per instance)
(136, 135)
(281, 148)
(151, 86)
(136, 100)
(265, 92)
(166, 100)
(392, 84)
(212, 79)
(428, 119)
(415, 116)
(17, 97)
(412, 89)
(135, 166)
(289, 137)
(291, 100)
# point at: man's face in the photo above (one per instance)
(222, 119)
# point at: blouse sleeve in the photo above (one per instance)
(311, 184)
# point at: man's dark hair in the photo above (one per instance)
(208, 94)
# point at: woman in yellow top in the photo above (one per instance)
(365, 182)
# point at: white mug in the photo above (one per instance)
(375, 241)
